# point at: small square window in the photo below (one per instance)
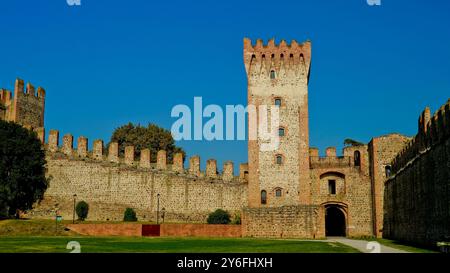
(279, 159)
(278, 193)
(277, 102)
(281, 132)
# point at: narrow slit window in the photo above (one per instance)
(332, 187)
(388, 170)
(357, 157)
(263, 197)
(272, 74)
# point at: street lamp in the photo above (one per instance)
(74, 201)
(157, 209)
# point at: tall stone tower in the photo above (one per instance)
(278, 75)
(26, 107)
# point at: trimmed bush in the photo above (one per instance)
(129, 215)
(82, 210)
(237, 219)
(219, 217)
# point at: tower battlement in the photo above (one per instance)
(280, 59)
(25, 107)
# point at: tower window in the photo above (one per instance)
(277, 102)
(332, 186)
(278, 192)
(388, 170)
(263, 197)
(357, 158)
(272, 74)
(279, 159)
(281, 131)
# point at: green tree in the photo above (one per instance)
(151, 137)
(82, 210)
(351, 142)
(129, 215)
(22, 169)
(219, 217)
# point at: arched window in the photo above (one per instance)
(279, 159)
(278, 192)
(388, 170)
(281, 132)
(357, 158)
(272, 74)
(263, 197)
(277, 102)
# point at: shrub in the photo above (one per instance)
(219, 217)
(129, 215)
(237, 219)
(82, 210)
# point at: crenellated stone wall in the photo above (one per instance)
(417, 194)
(110, 184)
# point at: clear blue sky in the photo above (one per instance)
(108, 62)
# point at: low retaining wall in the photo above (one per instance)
(167, 230)
(107, 229)
(200, 230)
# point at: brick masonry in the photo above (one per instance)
(173, 230)
(133, 230)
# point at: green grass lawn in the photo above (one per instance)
(402, 246)
(14, 244)
(42, 236)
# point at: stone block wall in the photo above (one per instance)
(417, 195)
(382, 150)
(303, 221)
(110, 184)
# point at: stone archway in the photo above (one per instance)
(335, 221)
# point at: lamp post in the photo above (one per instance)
(157, 209)
(74, 201)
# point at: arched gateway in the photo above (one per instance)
(335, 220)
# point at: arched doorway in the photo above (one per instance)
(335, 224)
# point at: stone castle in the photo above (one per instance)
(290, 192)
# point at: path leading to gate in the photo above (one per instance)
(365, 246)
